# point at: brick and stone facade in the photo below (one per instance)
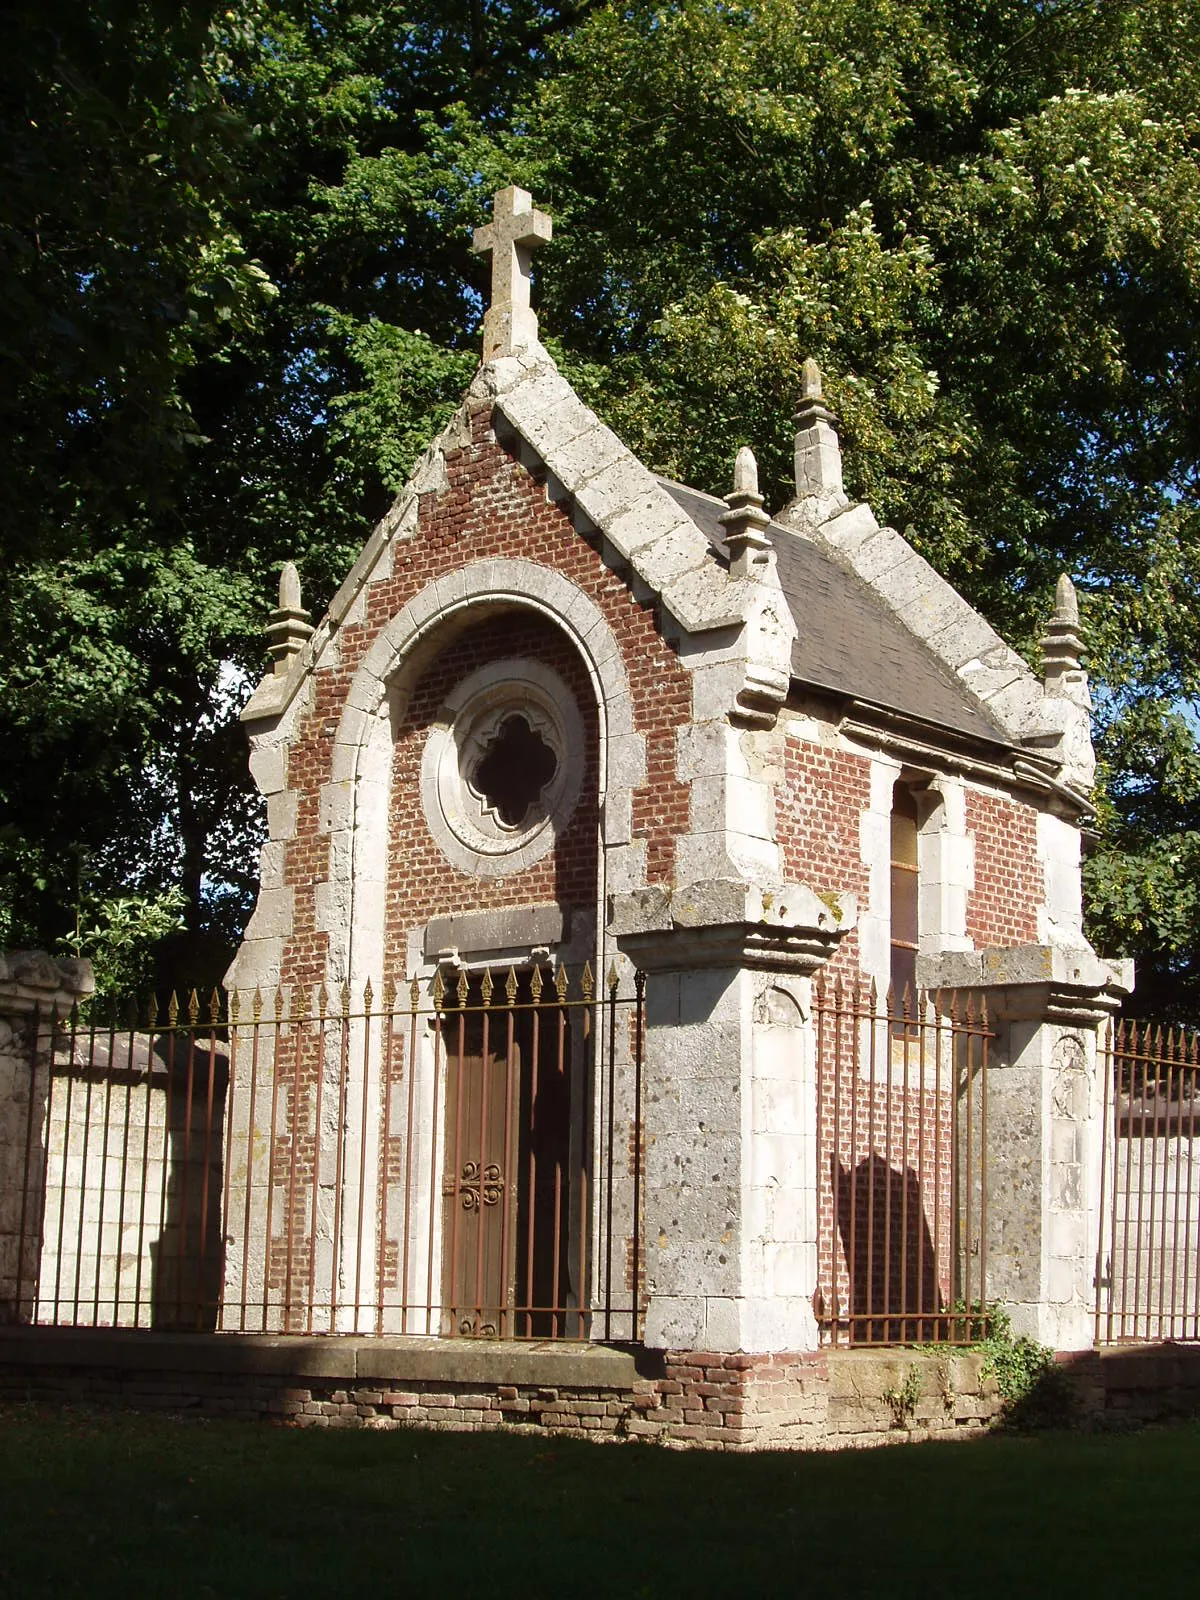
(730, 706)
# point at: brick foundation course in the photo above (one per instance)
(715, 1401)
(835, 1399)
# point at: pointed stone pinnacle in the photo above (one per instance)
(745, 473)
(289, 587)
(810, 380)
(818, 457)
(1066, 602)
(1062, 644)
(745, 522)
(288, 628)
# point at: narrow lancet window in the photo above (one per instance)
(905, 897)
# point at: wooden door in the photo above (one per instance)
(483, 1072)
(508, 1222)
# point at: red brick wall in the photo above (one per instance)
(884, 1151)
(818, 814)
(1008, 876)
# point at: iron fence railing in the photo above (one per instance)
(902, 1119)
(457, 1158)
(1148, 1265)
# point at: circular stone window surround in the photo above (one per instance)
(468, 831)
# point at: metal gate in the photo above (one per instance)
(1148, 1266)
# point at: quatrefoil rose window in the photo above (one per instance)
(511, 775)
(502, 767)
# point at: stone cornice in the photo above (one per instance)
(727, 922)
(1032, 982)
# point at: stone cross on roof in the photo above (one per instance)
(509, 238)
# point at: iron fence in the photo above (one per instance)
(1148, 1265)
(453, 1159)
(902, 1109)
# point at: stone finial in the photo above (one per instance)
(515, 230)
(745, 523)
(1062, 644)
(289, 627)
(818, 454)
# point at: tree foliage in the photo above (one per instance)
(239, 299)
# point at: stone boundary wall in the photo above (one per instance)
(733, 1402)
(836, 1399)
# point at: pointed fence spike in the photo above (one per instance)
(439, 989)
(278, 1002)
(486, 986)
(587, 981)
(510, 987)
(257, 1003)
(368, 997)
(535, 983)
(322, 1000)
(152, 1012)
(389, 994)
(414, 994)
(614, 979)
(172, 1009)
(193, 1008)
(345, 997)
(463, 986)
(214, 1006)
(560, 983)
(235, 1006)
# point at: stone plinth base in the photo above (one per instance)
(834, 1399)
(708, 1400)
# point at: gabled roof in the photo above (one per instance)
(849, 608)
(847, 641)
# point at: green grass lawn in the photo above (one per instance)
(101, 1504)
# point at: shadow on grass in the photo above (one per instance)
(108, 1504)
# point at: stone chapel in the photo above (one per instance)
(564, 712)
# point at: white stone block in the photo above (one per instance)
(618, 817)
(675, 1322)
(652, 516)
(671, 555)
(627, 761)
(618, 486)
(268, 767)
